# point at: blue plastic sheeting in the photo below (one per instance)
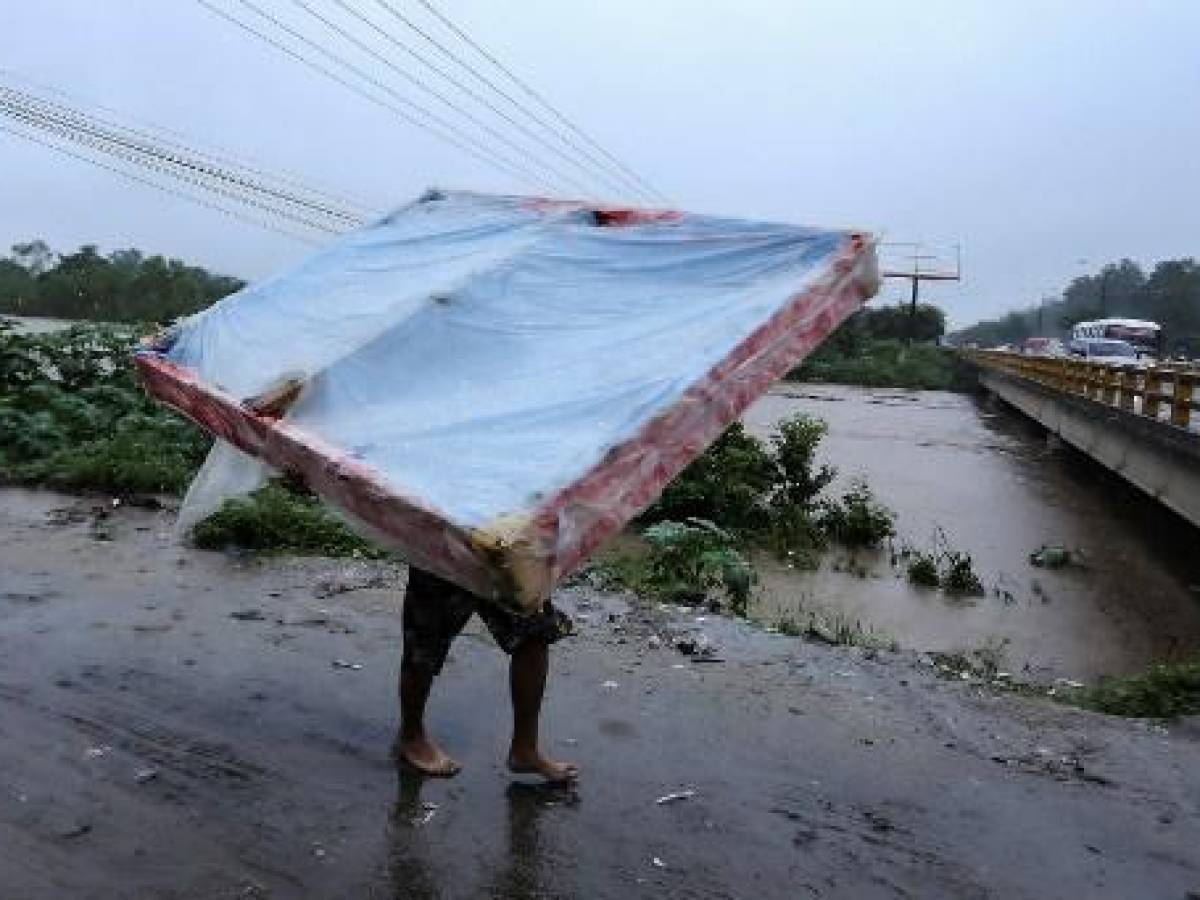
(483, 352)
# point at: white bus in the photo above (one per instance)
(1146, 337)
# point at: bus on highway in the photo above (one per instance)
(1146, 337)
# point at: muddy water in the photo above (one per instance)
(987, 479)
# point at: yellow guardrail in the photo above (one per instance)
(1164, 393)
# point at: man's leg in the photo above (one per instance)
(527, 681)
(434, 613)
(415, 746)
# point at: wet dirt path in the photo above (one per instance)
(185, 724)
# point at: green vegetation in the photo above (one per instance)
(730, 483)
(886, 346)
(951, 570)
(958, 575)
(1169, 295)
(886, 364)
(857, 519)
(1166, 691)
(124, 286)
(923, 570)
(833, 628)
(769, 494)
(740, 494)
(279, 519)
(687, 559)
(73, 416)
(983, 662)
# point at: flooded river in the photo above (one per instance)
(987, 478)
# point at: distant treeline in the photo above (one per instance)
(124, 286)
(1169, 295)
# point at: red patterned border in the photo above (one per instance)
(570, 526)
(421, 533)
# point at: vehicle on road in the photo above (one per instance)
(1145, 336)
(1108, 352)
(1043, 346)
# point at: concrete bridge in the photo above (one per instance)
(1140, 422)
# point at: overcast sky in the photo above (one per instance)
(1037, 134)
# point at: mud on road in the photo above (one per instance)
(184, 724)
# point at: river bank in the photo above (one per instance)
(986, 481)
(190, 724)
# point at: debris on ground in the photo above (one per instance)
(96, 752)
(657, 863)
(430, 810)
(141, 776)
(343, 664)
(677, 795)
(609, 685)
(1050, 557)
(75, 829)
(698, 645)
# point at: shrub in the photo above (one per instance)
(277, 519)
(953, 570)
(959, 575)
(798, 479)
(857, 519)
(688, 559)
(72, 415)
(731, 483)
(1166, 691)
(923, 569)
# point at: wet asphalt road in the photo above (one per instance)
(152, 744)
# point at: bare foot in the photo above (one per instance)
(426, 757)
(536, 764)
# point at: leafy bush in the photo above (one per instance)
(731, 483)
(923, 569)
(688, 559)
(959, 575)
(857, 519)
(72, 415)
(277, 519)
(798, 479)
(1166, 691)
(952, 570)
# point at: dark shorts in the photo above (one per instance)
(435, 611)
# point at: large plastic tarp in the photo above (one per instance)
(495, 385)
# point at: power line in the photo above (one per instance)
(157, 186)
(515, 103)
(74, 126)
(542, 101)
(107, 148)
(601, 176)
(135, 142)
(450, 134)
(436, 94)
(193, 145)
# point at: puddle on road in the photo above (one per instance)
(986, 477)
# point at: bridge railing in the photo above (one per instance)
(1163, 393)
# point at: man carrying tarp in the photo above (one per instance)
(435, 611)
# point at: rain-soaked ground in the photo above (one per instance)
(989, 481)
(181, 724)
